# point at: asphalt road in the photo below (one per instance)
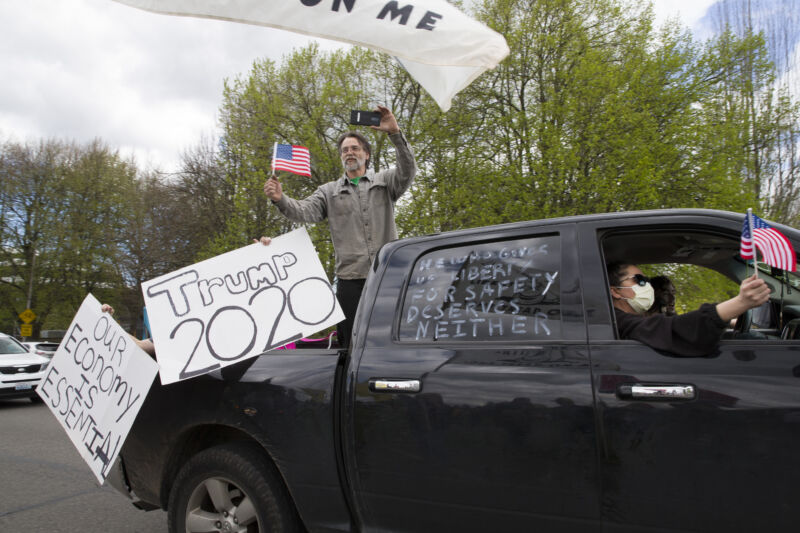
(46, 487)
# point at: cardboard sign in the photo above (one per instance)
(237, 305)
(96, 384)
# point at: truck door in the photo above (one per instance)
(472, 403)
(693, 443)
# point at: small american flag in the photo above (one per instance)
(291, 158)
(775, 248)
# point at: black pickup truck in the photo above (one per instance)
(486, 390)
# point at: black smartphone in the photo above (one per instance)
(365, 118)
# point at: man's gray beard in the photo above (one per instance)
(354, 164)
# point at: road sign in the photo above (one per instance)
(27, 316)
(26, 330)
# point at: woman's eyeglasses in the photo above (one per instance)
(640, 279)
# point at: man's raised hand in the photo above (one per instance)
(273, 189)
(388, 122)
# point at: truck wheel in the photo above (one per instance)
(232, 488)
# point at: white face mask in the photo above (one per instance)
(643, 299)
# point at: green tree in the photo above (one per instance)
(762, 91)
(593, 111)
(64, 208)
(95, 194)
(29, 207)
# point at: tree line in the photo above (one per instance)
(595, 110)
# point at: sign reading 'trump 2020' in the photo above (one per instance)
(237, 305)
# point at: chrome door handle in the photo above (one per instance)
(394, 385)
(657, 392)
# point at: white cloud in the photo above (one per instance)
(688, 12)
(145, 83)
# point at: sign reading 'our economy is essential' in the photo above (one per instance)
(240, 304)
(95, 385)
(441, 47)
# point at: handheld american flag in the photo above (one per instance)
(775, 248)
(291, 158)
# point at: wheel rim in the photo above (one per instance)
(217, 504)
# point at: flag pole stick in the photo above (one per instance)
(274, 149)
(753, 240)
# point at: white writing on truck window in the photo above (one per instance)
(493, 291)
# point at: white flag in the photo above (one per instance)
(441, 47)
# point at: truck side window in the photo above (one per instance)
(497, 291)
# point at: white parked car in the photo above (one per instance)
(43, 348)
(20, 370)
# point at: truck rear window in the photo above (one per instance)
(506, 290)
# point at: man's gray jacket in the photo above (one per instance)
(361, 218)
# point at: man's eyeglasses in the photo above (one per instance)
(640, 279)
(346, 149)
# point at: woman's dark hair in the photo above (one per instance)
(663, 298)
(660, 283)
(361, 139)
(615, 272)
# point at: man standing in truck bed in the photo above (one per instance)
(359, 207)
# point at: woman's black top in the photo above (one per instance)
(690, 334)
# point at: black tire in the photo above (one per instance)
(248, 494)
(35, 399)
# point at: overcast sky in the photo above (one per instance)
(146, 84)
